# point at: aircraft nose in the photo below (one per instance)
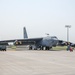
(55, 40)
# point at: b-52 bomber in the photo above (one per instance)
(43, 43)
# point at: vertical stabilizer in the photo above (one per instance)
(25, 33)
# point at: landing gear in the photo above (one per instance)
(3, 50)
(40, 47)
(45, 48)
(30, 47)
(35, 48)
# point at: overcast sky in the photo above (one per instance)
(38, 16)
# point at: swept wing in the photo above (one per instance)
(27, 41)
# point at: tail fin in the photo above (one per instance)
(25, 33)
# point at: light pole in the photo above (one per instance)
(68, 26)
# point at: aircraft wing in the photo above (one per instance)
(6, 41)
(26, 41)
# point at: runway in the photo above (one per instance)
(35, 62)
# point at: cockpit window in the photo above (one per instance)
(54, 37)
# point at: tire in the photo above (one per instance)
(5, 49)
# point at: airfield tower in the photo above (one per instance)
(68, 26)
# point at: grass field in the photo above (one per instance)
(59, 48)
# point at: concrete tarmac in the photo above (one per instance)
(36, 62)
